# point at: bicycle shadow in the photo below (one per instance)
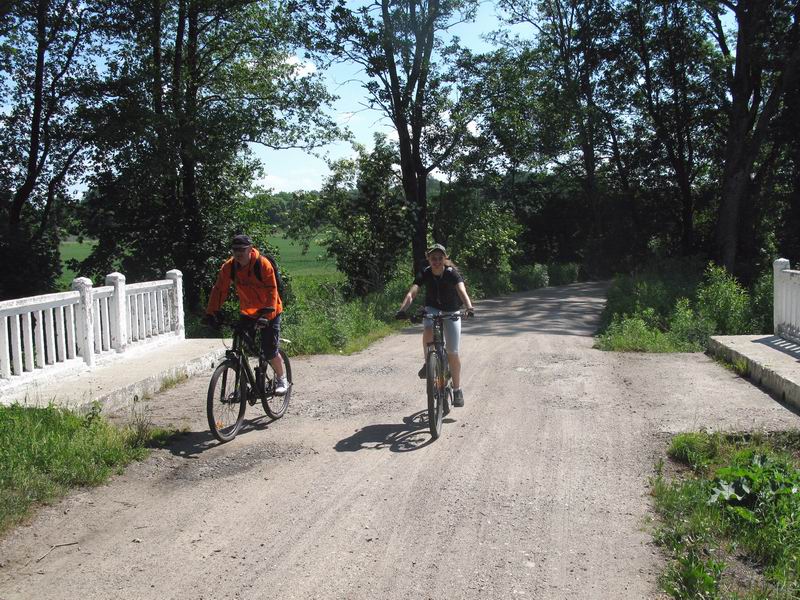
(190, 444)
(412, 434)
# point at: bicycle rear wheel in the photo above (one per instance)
(275, 406)
(436, 393)
(226, 403)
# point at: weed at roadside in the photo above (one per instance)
(738, 507)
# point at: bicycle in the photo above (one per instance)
(439, 390)
(241, 379)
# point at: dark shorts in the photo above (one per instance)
(270, 335)
(270, 338)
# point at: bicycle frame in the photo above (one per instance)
(242, 348)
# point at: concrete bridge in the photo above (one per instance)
(122, 342)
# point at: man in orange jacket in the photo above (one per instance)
(259, 300)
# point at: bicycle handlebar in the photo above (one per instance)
(453, 316)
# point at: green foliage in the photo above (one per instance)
(697, 450)
(483, 242)
(563, 273)
(745, 500)
(724, 302)
(761, 302)
(673, 300)
(634, 334)
(530, 277)
(323, 319)
(46, 451)
(365, 221)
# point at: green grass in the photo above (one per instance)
(312, 263)
(730, 518)
(70, 250)
(44, 452)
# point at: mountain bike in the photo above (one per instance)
(440, 392)
(243, 378)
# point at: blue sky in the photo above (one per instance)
(291, 170)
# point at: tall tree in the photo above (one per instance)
(48, 82)
(195, 83)
(672, 76)
(763, 63)
(399, 43)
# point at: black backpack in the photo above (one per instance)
(257, 269)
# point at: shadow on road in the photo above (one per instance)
(565, 310)
(190, 444)
(412, 434)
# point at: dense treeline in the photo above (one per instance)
(603, 132)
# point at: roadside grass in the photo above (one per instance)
(44, 452)
(729, 516)
(676, 305)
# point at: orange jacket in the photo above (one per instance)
(254, 293)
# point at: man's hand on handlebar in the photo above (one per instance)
(469, 313)
(401, 315)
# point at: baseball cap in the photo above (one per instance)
(240, 241)
(437, 247)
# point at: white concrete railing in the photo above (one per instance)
(786, 302)
(43, 331)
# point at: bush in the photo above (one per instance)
(688, 332)
(634, 334)
(530, 277)
(724, 302)
(761, 303)
(563, 273)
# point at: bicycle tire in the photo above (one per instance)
(275, 406)
(436, 391)
(225, 405)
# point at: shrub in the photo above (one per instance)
(724, 302)
(761, 303)
(563, 273)
(530, 277)
(633, 334)
(688, 331)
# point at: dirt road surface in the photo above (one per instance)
(538, 487)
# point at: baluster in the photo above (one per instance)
(38, 337)
(49, 336)
(62, 343)
(5, 355)
(16, 345)
(27, 341)
(72, 333)
(104, 319)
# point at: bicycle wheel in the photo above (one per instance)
(436, 393)
(275, 406)
(226, 403)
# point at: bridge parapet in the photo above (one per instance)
(72, 328)
(786, 302)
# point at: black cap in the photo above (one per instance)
(437, 247)
(240, 241)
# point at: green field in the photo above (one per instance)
(315, 262)
(70, 250)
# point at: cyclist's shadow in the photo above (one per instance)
(411, 435)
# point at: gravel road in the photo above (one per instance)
(538, 487)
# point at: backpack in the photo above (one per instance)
(257, 269)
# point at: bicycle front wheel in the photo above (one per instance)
(226, 403)
(275, 406)
(436, 393)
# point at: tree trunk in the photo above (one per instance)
(33, 166)
(188, 152)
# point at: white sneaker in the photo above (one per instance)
(280, 386)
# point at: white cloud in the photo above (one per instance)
(302, 67)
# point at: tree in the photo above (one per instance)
(195, 83)
(48, 82)
(762, 64)
(673, 81)
(399, 43)
(361, 212)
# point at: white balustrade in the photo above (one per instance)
(43, 331)
(786, 311)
